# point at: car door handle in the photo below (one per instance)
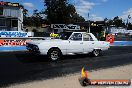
(92, 43)
(81, 43)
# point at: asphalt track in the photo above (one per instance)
(22, 67)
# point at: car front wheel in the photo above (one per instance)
(54, 54)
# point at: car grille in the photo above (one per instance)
(32, 47)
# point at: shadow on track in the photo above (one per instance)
(27, 57)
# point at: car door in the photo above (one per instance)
(88, 43)
(75, 43)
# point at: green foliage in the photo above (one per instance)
(34, 20)
(60, 11)
(129, 26)
(117, 22)
(34, 30)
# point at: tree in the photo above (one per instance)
(60, 11)
(129, 26)
(25, 12)
(25, 20)
(106, 22)
(36, 18)
(118, 22)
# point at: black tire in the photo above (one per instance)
(96, 52)
(85, 81)
(54, 54)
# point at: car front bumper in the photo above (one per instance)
(33, 48)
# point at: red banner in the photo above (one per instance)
(9, 4)
(13, 42)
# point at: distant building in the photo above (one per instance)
(95, 26)
(114, 30)
(11, 16)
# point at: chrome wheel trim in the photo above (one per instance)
(54, 55)
(96, 52)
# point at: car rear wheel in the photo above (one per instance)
(54, 54)
(96, 52)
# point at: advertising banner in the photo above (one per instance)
(14, 34)
(13, 42)
(9, 4)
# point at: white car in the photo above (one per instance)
(68, 43)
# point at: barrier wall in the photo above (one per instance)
(13, 44)
(14, 48)
(16, 41)
(122, 43)
(23, 47)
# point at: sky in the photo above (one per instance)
(97, 9)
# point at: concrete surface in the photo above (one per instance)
(71, 81)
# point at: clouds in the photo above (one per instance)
(28, 5)
(83, 7)
(126, 13)
(96, 18)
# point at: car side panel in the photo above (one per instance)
(62, 45)
(102, 45)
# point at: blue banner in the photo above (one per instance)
(13, 34)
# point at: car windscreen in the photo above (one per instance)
(65, 35)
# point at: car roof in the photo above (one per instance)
(82, 32)
(75, 32)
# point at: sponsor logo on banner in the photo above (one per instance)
(110, 38)
(64, 26)
(13, 34)
(13, 42)
(9, 4)
(86, 81)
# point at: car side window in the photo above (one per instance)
(76, 37)
(87, 37)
